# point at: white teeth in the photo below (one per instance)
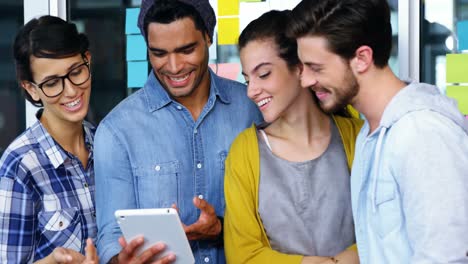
(181, 79)
(264, 102)
(74, 103)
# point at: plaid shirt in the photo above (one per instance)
(46, 197)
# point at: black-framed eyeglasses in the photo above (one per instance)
(55, 86)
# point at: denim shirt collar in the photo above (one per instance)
(157, 97)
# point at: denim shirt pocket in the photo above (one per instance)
(158, 184)
(387, 216)
(62, 227)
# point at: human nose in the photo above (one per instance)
(69, 89)
(308, 79)
(253, 90)
(174, 63)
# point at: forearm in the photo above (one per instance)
(314, 260)
(47, 260)
(349, 256)
(114, 260)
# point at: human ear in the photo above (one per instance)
(363, 59)
(87, 55)
(207, 39)
(31, 90)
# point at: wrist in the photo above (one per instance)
(114, 260)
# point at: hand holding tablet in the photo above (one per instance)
(156, 225)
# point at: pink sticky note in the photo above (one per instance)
(226, 70)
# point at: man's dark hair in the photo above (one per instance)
(45, 37)
(168, 11)
(272, 25)
(346, 25)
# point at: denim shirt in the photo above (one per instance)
(150, 153)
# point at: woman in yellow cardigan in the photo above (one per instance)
(287, 182)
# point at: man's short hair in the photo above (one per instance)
(346, 25)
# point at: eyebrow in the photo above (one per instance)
(178, 49)
(257, 67)
(49, 77)
(310, 64)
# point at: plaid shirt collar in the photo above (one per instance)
(56, 154)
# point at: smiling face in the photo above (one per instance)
(271, 84)
(179, 56)
(327, 74)
(73, 103)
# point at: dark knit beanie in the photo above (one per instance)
(202, 6)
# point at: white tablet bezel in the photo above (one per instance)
(156, 225)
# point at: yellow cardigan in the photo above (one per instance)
(245, 240)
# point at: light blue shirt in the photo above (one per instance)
(409, 182)
(150, 153)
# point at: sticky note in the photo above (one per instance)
(457, 68)
(227, 70)
(228, 8)
(131, 19)
(136, 48)
(462, 34)
(460, 94)
(137, 73)
(228, 31)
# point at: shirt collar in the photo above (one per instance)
(157, 97)
(55, 153)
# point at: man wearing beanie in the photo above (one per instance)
(165, 145)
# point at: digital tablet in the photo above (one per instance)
(156, 225)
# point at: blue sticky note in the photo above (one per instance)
(136, 48)
(131, 20)
(137, 73)
(462, 33)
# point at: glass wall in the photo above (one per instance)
(12, 105)
(103, 22)
(444, 48)
(249, 10)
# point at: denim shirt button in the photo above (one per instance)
(195, 131)
(157, 168)
(206, 259)
(199, 165)
(179, 107)
(200, 196)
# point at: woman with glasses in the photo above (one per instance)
(47, 212)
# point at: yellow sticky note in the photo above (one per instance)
(228, 7)
(228, 31)
(459, 93)
(457, 68)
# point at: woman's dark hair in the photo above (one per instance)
(45, 37)
(272, 25)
